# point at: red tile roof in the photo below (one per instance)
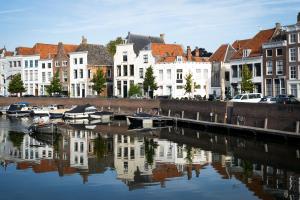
(239, 43)
(166, 50)
(255, 44)
(219, 54)
(8, 53)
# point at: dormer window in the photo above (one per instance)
(246, 52)
(179, 58)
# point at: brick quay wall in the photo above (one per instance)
(279, 117)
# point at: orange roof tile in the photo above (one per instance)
(8, 53)
(163, 50)
(239, 43)
(219, 54)
(255, 44)
(24, 51)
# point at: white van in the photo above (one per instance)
(247, 98)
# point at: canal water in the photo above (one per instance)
(110, 161)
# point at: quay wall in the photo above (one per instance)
(279, 116)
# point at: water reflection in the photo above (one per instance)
(143, 159)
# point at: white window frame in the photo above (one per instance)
(290, 68)
(277, 67)
(267, 67)
(290, 55)
(290, 36)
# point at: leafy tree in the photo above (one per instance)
(111, 45)
(99, 81)
(203, 52)
(134, 89)
(189, 83)
(16, 84)
(100, 147)
(150, 146)
(189, 155)
(16, 138)
(149, 80)
(247, 84)
(55, 85)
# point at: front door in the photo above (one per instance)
(125, 89)
(83, 92)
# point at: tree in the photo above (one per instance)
(111, 45)
(99, 81)
(134, 90)
(189, 83)
(149, 80)
(150, 146)
(16, 138)
(100, 147)
(247, 84)
(16, 84)
(55, 85)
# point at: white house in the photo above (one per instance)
(45, 74)
(78, 74)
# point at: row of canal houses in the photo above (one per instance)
(272, 55)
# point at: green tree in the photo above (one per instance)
(99, 81)
(16, 138)
(247, 84)
(189, 154)
(135, 90)
(100, 147)
(149, 80)
(150, 146)
(55, 85)
(16, 84)
(111, 45)
(189, 83)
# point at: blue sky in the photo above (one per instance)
(202, 23)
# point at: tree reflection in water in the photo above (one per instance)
(16, 138)
(150, 147)
(100, 147)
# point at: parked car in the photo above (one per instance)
(247, 98)
(286, 99)
(213, 97)
(28, 95)
(268, 99)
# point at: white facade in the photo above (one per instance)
(30, 74)
(170, 78)
(255, 64)
(78, 74)
(130, 68)
(45, 74)
(3, 64)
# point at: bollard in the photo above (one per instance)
(297, 126)
(182, 114)
(216, 118)
(266, 123)
(141, 109)
(169, 113)
(197, 116)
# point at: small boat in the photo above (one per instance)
(40, 111)
(18, 110)
(47, 128)
(146, 120)
(104, 115)
(57, 111)
(3, 110)
(80, 112)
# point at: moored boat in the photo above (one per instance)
(104, 115)
(57, 111)
(146, 120)
(18, 110)
(80, 112)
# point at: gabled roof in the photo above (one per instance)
(255, 44)
(8, 53)
(238, 44)
(97, 54)
(141, 42)
(219, 54)
(166, 52)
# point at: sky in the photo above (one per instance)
(202, 23)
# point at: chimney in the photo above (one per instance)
(60, 49)
(278, 25)
(189, 53)
(197, 52)
(83, 40)
(298, 18)
(162, 36)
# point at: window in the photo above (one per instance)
(205, 74)
(75, 61)
(142, 150)
(65, 63)
(81, 160)
(227, 74)
(75, 73)
(81, 146)
(119, 152)
(49, 76)
(119, 87)
(36, 75)
(89, 73)
(269, 53)
(26, 75)
(125, 73)
(119, 70)
(257, 69)
(81, 73)
(36, 63)
(179, 76)
(43, 77)
(279, 67)
(30, 75)
(131, 70)
(179, 58)
(169, 74)
(145, 58)
(19, 63)
(234, 71)
(43, 65)
(179, 87)
(131, 152)
(246, 52)
(10, 63)
(269, 65)
(279, 52)
(80, 60)
(276, 87)
(49, 65)
(65, 76)
(57, 64)
(15, 63)
(108, 73)
(31, 63)
(292, 54)
(161, 75)
(26, 63)
(293, 72)
(125, 56)
(141, 72)
(294, 90)
(293, 37)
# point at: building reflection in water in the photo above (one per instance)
(146, 158)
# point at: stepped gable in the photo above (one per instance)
(97, 54)
(141, 42)
(255, 44)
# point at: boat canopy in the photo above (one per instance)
(82, 109)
